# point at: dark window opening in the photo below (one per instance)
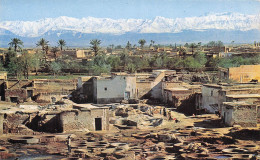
(98, 124)
(14, 99)
(29, 93)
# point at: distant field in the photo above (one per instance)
(31, 77)
(54, 77)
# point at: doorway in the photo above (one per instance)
(98, 124)
(127, 96)
(14, 99)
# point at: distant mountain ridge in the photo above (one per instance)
(240, 27)
(227, 21)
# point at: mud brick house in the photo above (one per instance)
(185, 98)
(213, 95)
(18, 90)
(240, 113)
(51, 90)
(110, 89)
(85, 116)
(150, 86)
(40, 90)
(242, 74)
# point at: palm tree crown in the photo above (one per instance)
(43, 43)
(142, 42)
(95, 45)
(16, 43)
(61, 43)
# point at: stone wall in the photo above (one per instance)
(1, 124)
(80, 120)
(245, 115)
(12, 122)
(21, 94)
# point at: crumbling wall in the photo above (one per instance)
(49, 97)
(245, 116)
(45, 89)
(19, 93)
(12, 122)
(1, 124)
(258, 114)
(83, 120)
(45, 123)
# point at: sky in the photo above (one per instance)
(30, 10)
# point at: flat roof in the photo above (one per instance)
(235, 104)
(88, 107)
(244, 96)
(177, 89)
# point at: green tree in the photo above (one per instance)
(95, 45)
(186, 45)
(193, 46)
(142, 43)
(37, 61)
(55, 68)
(16, 43)
(152, 43)
(131, 67)
(43, 43)
(182, 51)
(55, 50)
(61, 44)
(124, 58)
(14, 67)
(128, 45)
(26, 62)
(8, 56)
(2, 66)
(113, 61)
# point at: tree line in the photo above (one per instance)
(22, 64)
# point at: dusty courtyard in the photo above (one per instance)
(139, 131)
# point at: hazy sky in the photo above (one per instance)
(144, 9)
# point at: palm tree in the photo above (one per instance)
(95, 45)
(192, 46)
(182, 51)
(152, 43)
(61, 43)
(141, 42)
(55, 50)
(128, 45)
(43, 43)
(16, 43)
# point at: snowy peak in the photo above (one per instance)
(221, 21)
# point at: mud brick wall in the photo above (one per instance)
(1, 123)
(246, 116)
(12, 122)
(80, 120)
(143, 89)
(20, 93)
(258, 114)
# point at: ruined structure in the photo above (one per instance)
(39, 90)
(86, 116)
(57, 119)
(240, 113)
(150, 86)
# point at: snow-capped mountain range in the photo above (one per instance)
(89, 25)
